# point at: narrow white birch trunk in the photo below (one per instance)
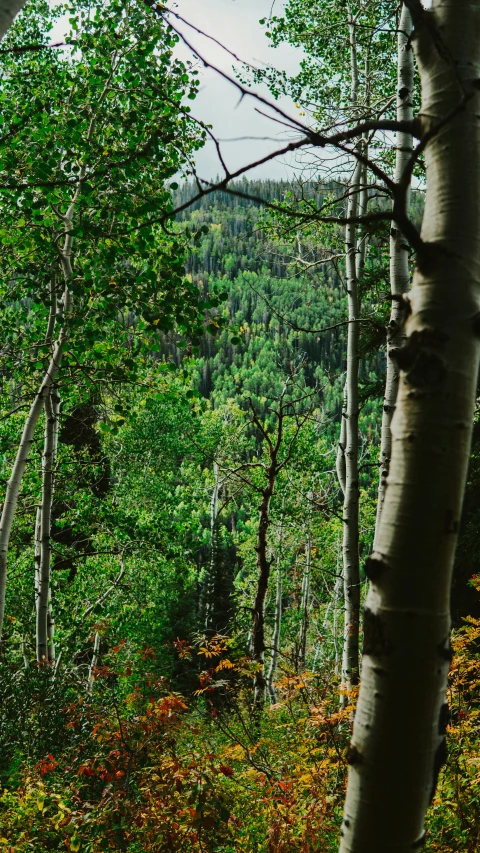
(210, 579)
(399, 270)
(23, 452)
(339, 586)
(64, 310)
(43, 590)
(342, 441)
(351, 569)
(305, 601)
(37, 544)
(93, 662)
(398, 744)
(277, 627)
(45, 625)
(97, 638)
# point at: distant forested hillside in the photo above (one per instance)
(278, 309)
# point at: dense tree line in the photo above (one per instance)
(234, 447)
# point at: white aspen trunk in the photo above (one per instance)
(55, 398)
(9, 10)
(342, 441)
(210, 579)
(23, 452)
(57, 665)
(24, 653)
(276, 635)
(398, 743)
(337, 592)
(109, 591)
(305, 601)
(351, 569)
(38, 524)
(339, 586)
(97, 639)
(44, 591)
(277, 627)
(399, 270)
(64, 309)
(362, 210)
(93, 662)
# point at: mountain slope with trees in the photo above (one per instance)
(198, 382)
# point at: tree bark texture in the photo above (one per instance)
(354, 258)
(44, 623)
(93, 662)
(340, 460)
(264, 565)
(351, 569)
(398, 744)
(399, 269)
(210, 578)
(97, 637)
(277, 628)
(62, 309)
(23, 452)
(304, 602)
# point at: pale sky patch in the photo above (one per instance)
(235, 24)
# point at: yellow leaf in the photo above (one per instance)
(75, 843)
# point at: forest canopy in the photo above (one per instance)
(239, 435)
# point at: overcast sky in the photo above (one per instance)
(235, 24)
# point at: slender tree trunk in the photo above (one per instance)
(97, 638)
(63, 309)
(339, 587)
(351, 569)
(305, 601)
(44, 614)
(38, 524)
(277, 628)
(23, 452)
(398, 744)
(264, 565)
(14, 483)
(342, 442)
(93, 662)
(399, 270)
(210, 579)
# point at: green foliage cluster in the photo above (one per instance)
(185, 339)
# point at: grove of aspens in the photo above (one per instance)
(240, 430)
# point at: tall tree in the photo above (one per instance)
(342, 81)
(398, 744)
(87, 207)
(399, 249)
(45, 624)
